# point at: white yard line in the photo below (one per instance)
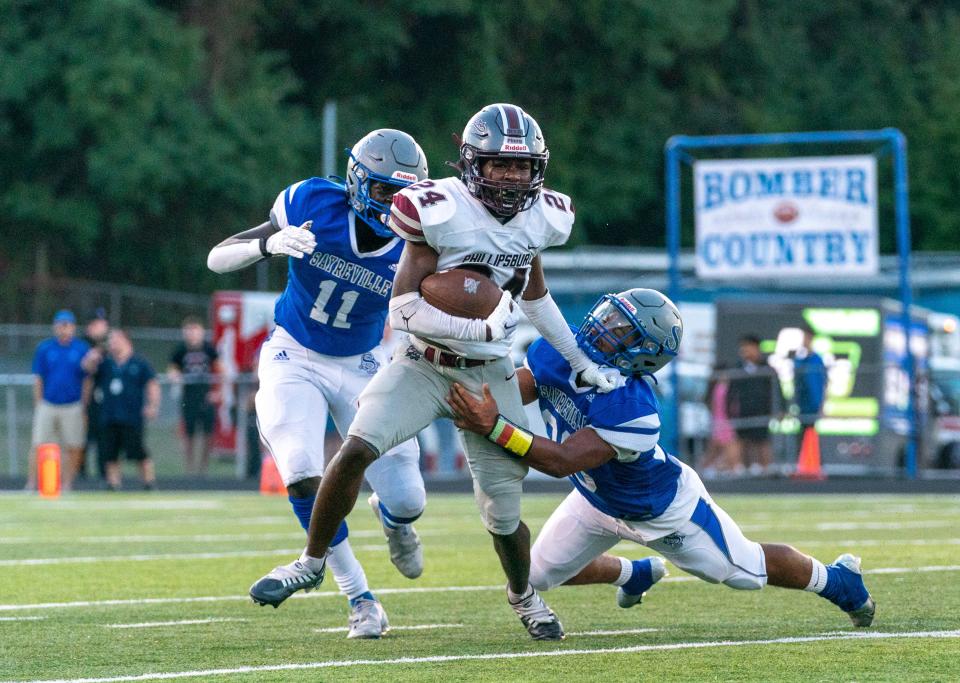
(406, 661)
(619, 632)
(383, 591)
(21, 618)
(235, 598)
(412, 627)
(161, 557)
(182, 622)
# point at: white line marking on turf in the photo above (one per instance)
(234, 598)
(36, 561)
(192, 538)
(503, 655)
(412, 627)
(21, 618)
(620, 632)
(384, 591)
(182, 622)
(160, 557)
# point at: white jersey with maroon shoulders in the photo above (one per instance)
(445, 216)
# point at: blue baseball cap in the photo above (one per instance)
(64, 316)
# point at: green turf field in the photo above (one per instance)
(146, 587)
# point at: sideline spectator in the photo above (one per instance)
(723, 449)
(753, 398)
(809, 384)
(191, 367)
(95, 334)
(131, 394)
(809, 380)
(58, 396)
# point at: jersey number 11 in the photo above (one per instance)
(323, 298)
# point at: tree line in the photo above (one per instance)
(136, 134)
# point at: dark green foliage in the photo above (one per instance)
(136, 134)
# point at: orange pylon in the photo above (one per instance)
(48, 470)
(808, 464)
(270, 482)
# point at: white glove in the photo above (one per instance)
(292, 241)
(604, 379)
(503, 319)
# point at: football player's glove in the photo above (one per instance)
(503, 319)
(295, 241)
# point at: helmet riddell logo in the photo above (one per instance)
(514, 145)
(626, 304)
(403, 175)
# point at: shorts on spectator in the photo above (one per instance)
(59, 424)
(754, 433)
(197, 418)
(115, 438)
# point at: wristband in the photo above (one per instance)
(510, 437)
(263, 248)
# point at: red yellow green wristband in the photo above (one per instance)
(510, 437)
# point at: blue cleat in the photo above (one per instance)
(845, 589)
(646, 572)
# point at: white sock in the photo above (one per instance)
(818, 577)
(626, 571)
(314, 564)
(513, 597)
(346, 569)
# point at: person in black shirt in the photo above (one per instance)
(752, 400)
(191, 367)
(131, 395)
(95, 334)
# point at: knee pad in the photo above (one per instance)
(542, 576)
(499, 507)
(404, 509)
(743, 581)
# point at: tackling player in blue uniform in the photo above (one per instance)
(326, 348)
(625, 486)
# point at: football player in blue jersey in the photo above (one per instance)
(326, 348)
(625, 486)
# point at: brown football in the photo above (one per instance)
(461, 292)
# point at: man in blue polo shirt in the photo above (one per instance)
(58, 396)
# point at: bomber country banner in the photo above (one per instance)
(786, 218)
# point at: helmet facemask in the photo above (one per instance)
(614, 334)
(390, 158)
(374, 213)
(503, 198)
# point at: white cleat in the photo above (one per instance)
(406, 549)
(658, 569)
(367, 620)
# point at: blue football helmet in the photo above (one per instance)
(637, 332)
(386, 156)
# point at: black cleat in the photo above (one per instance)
(283, 582)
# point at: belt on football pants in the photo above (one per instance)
(450, 360)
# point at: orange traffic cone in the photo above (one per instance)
(808, 464)
(270, 482)
(48, 470)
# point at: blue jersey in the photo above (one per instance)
(336, 299)
(59, 368)
(641, 481)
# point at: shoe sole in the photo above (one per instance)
(862, 617)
